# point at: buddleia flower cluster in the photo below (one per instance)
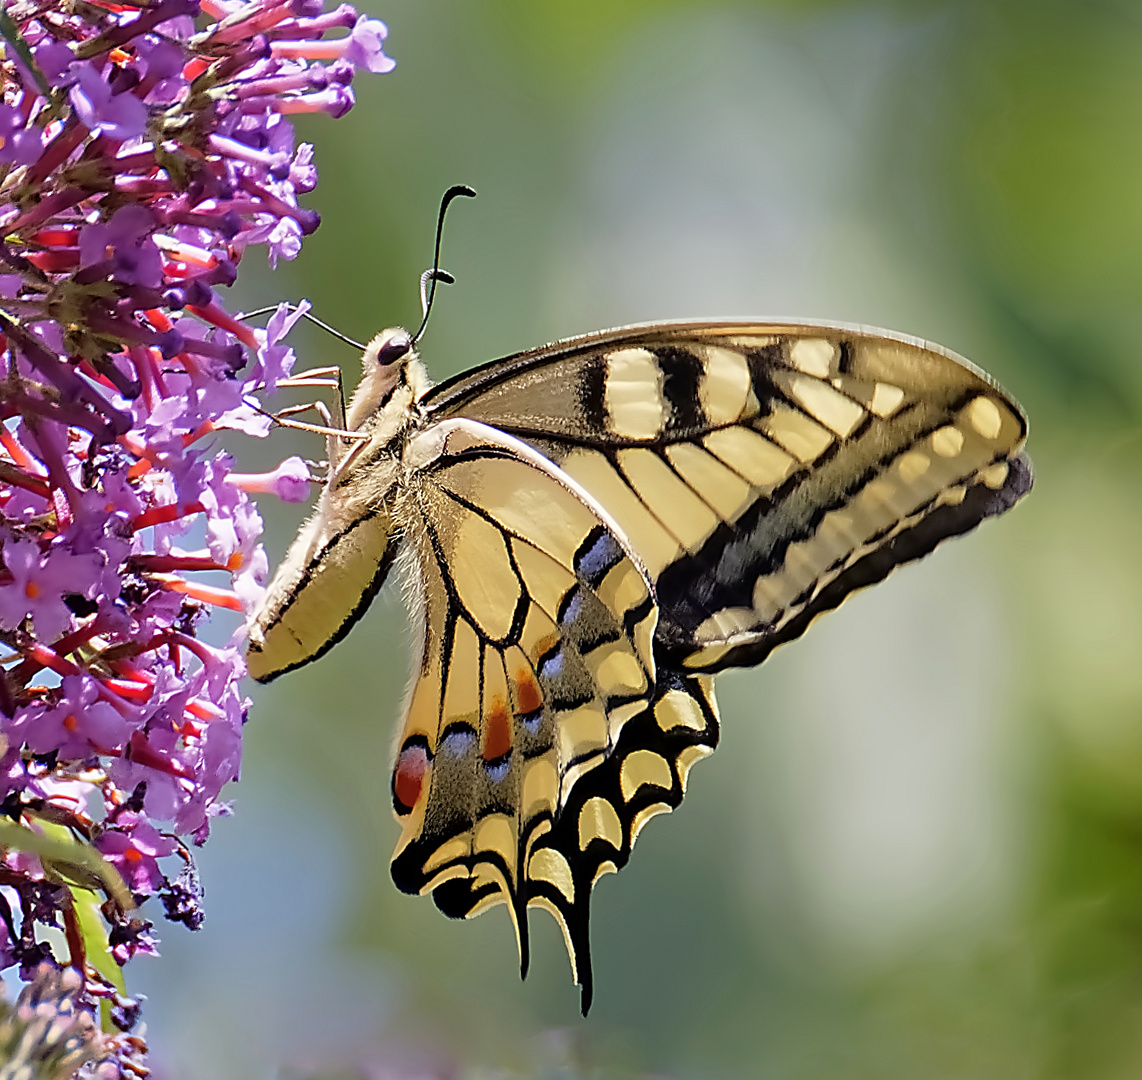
(145, 146)
(45, 1034)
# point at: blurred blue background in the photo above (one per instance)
(918, 852)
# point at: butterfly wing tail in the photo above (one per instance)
(644, 775)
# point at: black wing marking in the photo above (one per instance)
(593, 833)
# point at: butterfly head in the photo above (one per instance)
(389, 348)
(391, 372)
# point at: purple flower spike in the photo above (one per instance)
(131, 196)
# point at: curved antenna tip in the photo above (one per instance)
(431, 277)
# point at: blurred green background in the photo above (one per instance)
(918, 852)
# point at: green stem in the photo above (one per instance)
(11, 34)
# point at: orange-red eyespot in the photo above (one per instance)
(408, 778)
(498, 737)
(528, 696)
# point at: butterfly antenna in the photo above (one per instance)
(307, 316)
(434, 275)
(425, 278)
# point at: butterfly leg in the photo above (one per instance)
(316, 406)
(323, 376)
(329, 377)
(342, 445)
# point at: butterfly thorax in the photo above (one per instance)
(342, 554)
(384, 406)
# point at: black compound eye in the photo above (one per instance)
(396, 348)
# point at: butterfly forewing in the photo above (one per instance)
(537, 650)
(761, 472)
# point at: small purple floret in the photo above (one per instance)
(18, 144)
(40, 584)
(79, 726)
(366, 48)
(134, 848)
(54, 59)
(118, 116)
(126, 241)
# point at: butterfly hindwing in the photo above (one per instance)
(645, 775)
(537, 650)
(761, 472)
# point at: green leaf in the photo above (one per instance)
(11, 34)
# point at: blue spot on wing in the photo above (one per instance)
(497, 770)
(551, 665)
(572, 606)
(599, 552)
(457, 741)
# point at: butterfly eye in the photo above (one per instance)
(396, 348)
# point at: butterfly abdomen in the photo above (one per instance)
(327, 581)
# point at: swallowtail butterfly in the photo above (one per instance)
(594, 528)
